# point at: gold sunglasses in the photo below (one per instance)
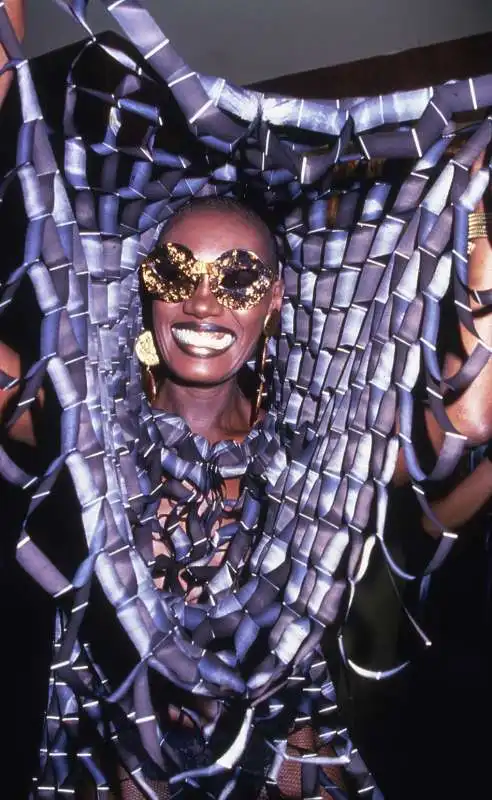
(238, 279)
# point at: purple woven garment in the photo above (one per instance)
(139, 135)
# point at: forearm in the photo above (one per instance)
(466, 500)
(471, 413)
(23, 428)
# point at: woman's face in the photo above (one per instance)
(200, 340)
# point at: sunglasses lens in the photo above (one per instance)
(244, 279)
(167, 270)
(172, 284)
(237, 280)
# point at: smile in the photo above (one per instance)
(205, 338)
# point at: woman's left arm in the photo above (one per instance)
(471, 412)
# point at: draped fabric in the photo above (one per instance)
(139, 135)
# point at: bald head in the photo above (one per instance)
(213, 225)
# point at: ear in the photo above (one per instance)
(277, 296)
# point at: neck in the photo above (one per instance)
(215, 412)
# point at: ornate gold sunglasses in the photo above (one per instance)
(238, 279)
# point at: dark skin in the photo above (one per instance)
(15, 10)
(202, 383)
(203, 389)
(471, 412)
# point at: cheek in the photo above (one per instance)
(256, 317)
(162, 316)
(252, 321)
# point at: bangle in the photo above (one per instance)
(479, 227)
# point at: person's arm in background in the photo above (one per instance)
(15, 10)
(463, 502)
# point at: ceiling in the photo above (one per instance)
(250, 41)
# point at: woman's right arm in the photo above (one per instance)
(15, 10)
(23, 428)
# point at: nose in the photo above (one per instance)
(202, 302)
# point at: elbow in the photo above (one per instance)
(478, 431)
(474, 422)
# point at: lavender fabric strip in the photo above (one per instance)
(359, 326)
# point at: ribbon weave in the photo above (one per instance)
(140, 134)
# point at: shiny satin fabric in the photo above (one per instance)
(360, 322)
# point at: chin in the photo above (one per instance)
(201, 372)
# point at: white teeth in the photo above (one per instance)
(209, 340)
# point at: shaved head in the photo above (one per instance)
(231, 208)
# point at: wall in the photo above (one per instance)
(258, 39)
(411, 69)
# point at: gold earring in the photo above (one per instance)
(270, 328)
(145, 349)
(147, 354)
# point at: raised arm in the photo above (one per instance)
(471, 412)
(15, 10)
(23, 429)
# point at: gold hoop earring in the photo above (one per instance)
(270, 328)
(147, 354)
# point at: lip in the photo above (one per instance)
(216, 339)
(206, 327)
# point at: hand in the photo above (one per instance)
(15, 10)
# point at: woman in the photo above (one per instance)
(212, 295)
(219, 538)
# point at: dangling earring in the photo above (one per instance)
(270, 329)
(147, 354)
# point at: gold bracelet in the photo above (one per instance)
(479, 227)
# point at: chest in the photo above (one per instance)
(192, 536)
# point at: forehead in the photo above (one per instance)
(208, 233)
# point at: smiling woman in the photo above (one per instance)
(221, 260)
(202, 590)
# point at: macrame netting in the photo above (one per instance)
(360, 325)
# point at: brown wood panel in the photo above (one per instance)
(410, 69)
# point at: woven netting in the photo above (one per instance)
(367, 264)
